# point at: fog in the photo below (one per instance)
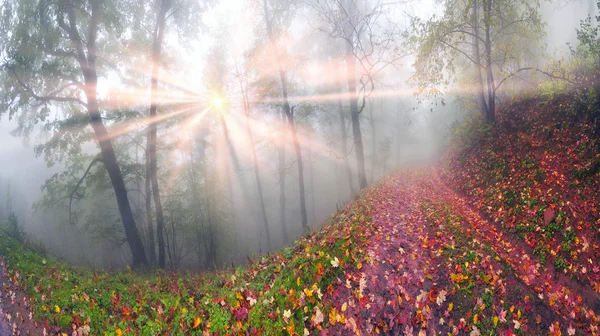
(206, 169)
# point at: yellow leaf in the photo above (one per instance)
(359, 265)
(450, 306)
(57, 309)
(344, 306)
(475, 318)
(332, 316)
(118, 332)
(495, 319)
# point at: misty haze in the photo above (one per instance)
(313, 167)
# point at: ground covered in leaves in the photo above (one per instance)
(501, 239)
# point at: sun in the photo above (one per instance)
(217, 101)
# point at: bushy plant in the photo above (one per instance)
(470, 132)
(13, 228)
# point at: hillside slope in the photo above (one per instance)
(468, 248)
(537, 177)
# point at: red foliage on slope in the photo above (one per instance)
(537, 175)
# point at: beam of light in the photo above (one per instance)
(334, 97)
(131, 125)
(194, 121)
(184, 136)
(166, 78)
(129, 97)
(344, 95)
(280, 136)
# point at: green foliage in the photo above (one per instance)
(560, 264)
(12, 228)
(588, 49)
(470, 133)
(114, 302)
(444, 44)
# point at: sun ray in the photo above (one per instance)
(128, 126)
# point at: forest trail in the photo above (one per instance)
(15, 317)
(436, 265)
(419, 260)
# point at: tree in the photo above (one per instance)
(494, 37)
(281, 170)
(243, 83)
(344, 136)
(371, 42)
(51, 57)
(289, 112)
(159, 33)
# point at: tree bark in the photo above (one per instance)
(109, 157)
(281, 170)
(355, 117)
(229, 182)
(152, 131)
(477, 57)
(312, 186)
(353, 97)
(261, 197)
(148, 193)
(290, 118)
(298, 151)
(345, 144)
(373, 143)
(490, 76)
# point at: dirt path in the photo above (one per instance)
(435, 265)
(577, 303)
(6, 317)
(421, 277)
(16, 317)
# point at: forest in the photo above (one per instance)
(310, 167)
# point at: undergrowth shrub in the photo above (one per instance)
(12, 228)
(470, 133)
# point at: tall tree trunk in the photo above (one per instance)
(373, 143)
(229, 182)
(142, 204)
(355, 116)
(345, 144)
(109, 158)
(490, 75)
(352, 94)
(398, 142)
(281, 170)
(477, 57)
(297, 150)
(261, 197)
(148, 200)
(156, 50)
(312, 186)
(290, 118)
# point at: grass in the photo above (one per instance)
(283, 292)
